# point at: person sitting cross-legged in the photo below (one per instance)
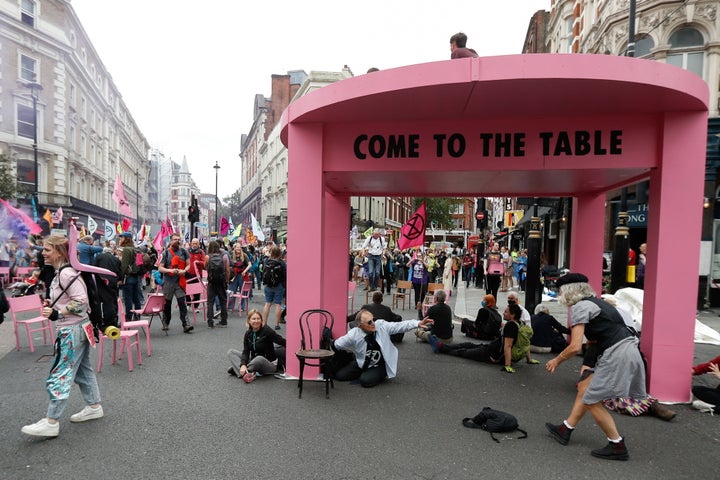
(375, 356)
(441, 313)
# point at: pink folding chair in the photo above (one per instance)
(130, 324)
(30, 304)
(243, 294)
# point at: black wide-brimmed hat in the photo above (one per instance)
(571, 278)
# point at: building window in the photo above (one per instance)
(28, 67)
(26, 175)
(25, 121)
(643, 46)
(27, 12)
(686, 50)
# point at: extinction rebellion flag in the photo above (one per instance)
(412, 233)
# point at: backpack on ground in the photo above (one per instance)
(494, 421)
(216, 268)
(272, 273)
(102, 300)
(522, 344)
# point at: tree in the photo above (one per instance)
(437, 210)
(8, 182)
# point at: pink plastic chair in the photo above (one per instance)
(243, 294)
(194, 288)
(128, 339)
(38, 323)
(144, 324)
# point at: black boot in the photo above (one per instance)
(561, 432)
(612, 451)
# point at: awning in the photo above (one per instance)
(525, 220)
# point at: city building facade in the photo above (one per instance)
(55, 87)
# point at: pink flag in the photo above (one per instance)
(119, 197)
(159, 241)
(169, 226)
(413, 232)
(58, 216)
(224, 226)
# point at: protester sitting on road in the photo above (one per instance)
(375, 356)
(258, 356)
(621, 373)
(498, 351)
(708, 398)
(380, 312)
(487, 324)
(441, 314)
(547, 332)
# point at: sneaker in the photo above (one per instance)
(561, 432)
(612, 451)
(42, 428)
(188, 328)
(210, 324)
(435, 344)
(248, 377)
(222, 325)
(277, 327)
(87, 413)
(659, 410)
(165, 325)
(231, 371)
(703, 406)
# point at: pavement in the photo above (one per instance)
(179, 415)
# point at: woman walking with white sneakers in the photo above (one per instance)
(67, 307)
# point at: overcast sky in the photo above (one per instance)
(188, 70)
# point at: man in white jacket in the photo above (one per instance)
(375, 355)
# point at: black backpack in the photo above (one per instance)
(102, 300)
(494, 421)
(490, 329)
(272, 273)
(216, 268)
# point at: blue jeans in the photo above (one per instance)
(74, 365)
(132, 294)
(374, 269)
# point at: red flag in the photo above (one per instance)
(413, 232)
(119, 197)
(126, 224)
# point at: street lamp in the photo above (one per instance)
(167, 210)
(217, 168)
(137, 198)
(35, 88)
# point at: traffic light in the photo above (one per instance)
(193, 214)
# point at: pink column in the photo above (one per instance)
(586, 243)
(671, 273)
(334, 259)
(305, 227)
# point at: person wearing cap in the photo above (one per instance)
(86, 250)
(619, 372)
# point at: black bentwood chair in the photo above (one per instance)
(316, 334)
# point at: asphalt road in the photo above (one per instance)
(181, 416)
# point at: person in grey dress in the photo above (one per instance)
(619, 371)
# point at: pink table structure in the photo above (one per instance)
(522, 125)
